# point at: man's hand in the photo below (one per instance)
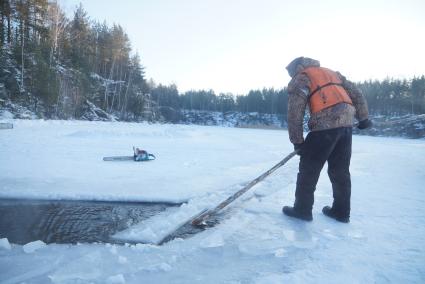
(298, 147)
(364, 124)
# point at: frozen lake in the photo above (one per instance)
(198, 167)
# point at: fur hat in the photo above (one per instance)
(300, 63)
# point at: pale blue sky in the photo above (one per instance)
(235, 45)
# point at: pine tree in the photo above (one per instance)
(79, 31)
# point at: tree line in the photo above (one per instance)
(394, 96)
(389, 97)
(264, 101)
(53, 64)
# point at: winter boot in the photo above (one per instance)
(328, 211)
(292, 212)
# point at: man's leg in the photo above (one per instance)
(315, 151)
(308, 175)
(339, 174)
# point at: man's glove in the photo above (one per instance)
(364, 124)
(298, 147)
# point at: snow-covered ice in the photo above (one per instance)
(254, 243)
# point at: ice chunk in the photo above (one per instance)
(6, 125)
(156, 228)
(122, 259)
(4, 244)
(165, 267)
(116, 279)
(280, 253)
(33, 246)
(158, 267)
(113, 249)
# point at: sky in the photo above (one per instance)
(238, 45)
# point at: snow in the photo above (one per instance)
(33, 246)
(254, 243)
(70, 152)
(4, 114)
(231, 119)
(4, 244)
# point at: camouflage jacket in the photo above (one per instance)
(340, 115)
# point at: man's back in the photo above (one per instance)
(340, 114)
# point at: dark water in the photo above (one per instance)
(23, 221)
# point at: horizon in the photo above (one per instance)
(237, 46)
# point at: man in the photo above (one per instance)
(333, 103)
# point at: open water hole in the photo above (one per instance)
(65, 221)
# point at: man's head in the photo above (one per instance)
(300, 63)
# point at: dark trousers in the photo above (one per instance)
(332, 146)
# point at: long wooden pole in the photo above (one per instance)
(199, 220)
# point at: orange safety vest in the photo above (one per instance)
(325, 89)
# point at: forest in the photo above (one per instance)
(58, 67)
